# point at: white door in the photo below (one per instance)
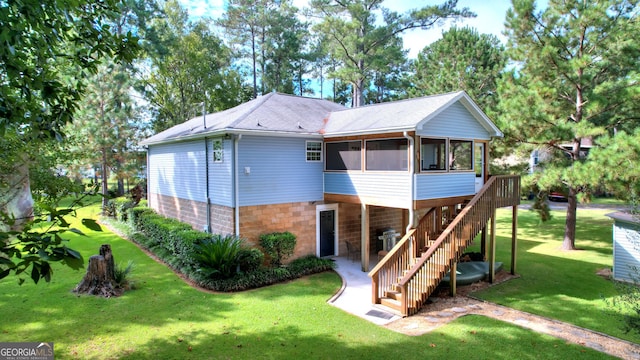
(479, 165)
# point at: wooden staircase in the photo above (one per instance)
(411, 271)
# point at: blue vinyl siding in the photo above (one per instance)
(221, 175)
(278, 171)
(626, 253)
(391, 186)
(433, 186)
(454, 122)
(178, 170)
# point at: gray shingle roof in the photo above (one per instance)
(404, 115)
(273, 112)
(288, 114)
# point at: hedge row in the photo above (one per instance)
(175, 243)
(267, 276)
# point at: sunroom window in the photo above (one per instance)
(387, 155)
(345, 155)
(434, 154)
(460, 155)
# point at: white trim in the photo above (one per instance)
(325, 207)
(307, 151)
(217, 152)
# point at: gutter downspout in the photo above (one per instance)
(412, 186)
(236, 184)
(206, 185)
(148, 174)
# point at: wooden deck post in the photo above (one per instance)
(514, 238)
(492, 248)
(453, 277)
(483, 242)
(364, 236)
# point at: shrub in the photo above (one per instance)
(250, 259)
(110, 209)
(218, 256)
(278, 246)
(122, 205)
(122, 275)
(268, 276)
(309, 265)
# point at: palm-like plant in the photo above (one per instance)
(218, 256)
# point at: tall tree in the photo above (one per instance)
(190, 66)
(105, 129)
(49, 48)
(462, 59)
(270, 35)
(362, 45)
(575, 80)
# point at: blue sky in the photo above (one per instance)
(489, 20)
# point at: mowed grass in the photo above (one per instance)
(559, 284)
(164, 318)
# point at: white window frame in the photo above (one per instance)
(217, 152)
(449, 154)
(312, 152)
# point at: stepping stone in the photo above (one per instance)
(521, 321)
(432, 319)
(555, 329)
(412, 326)
(444, 314)
(632, 354)
(475, 307)
(459, 310)
(498, 312)
(595, 346)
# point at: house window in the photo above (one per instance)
(387, 155)
(218, 151)
(314, 151)
(341, 156)
(433, 154)
(460, 155)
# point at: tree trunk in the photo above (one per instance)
(100, 277)
(120, 187)
(569, 242)
(105, 184)
(15, 197)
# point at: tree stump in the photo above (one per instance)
(100, 277)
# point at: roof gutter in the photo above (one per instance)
(223, 132)
(368, 132)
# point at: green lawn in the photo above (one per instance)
(166, 319)
(559, 284)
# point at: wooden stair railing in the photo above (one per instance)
(408, 275)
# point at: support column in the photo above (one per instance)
(483, 242)
(364, 236)
(492, 248)
(514, 238)
(453, 278)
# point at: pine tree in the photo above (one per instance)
(574, 81)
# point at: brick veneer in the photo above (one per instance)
(297, 218)
(194, 213)
(380, 218)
